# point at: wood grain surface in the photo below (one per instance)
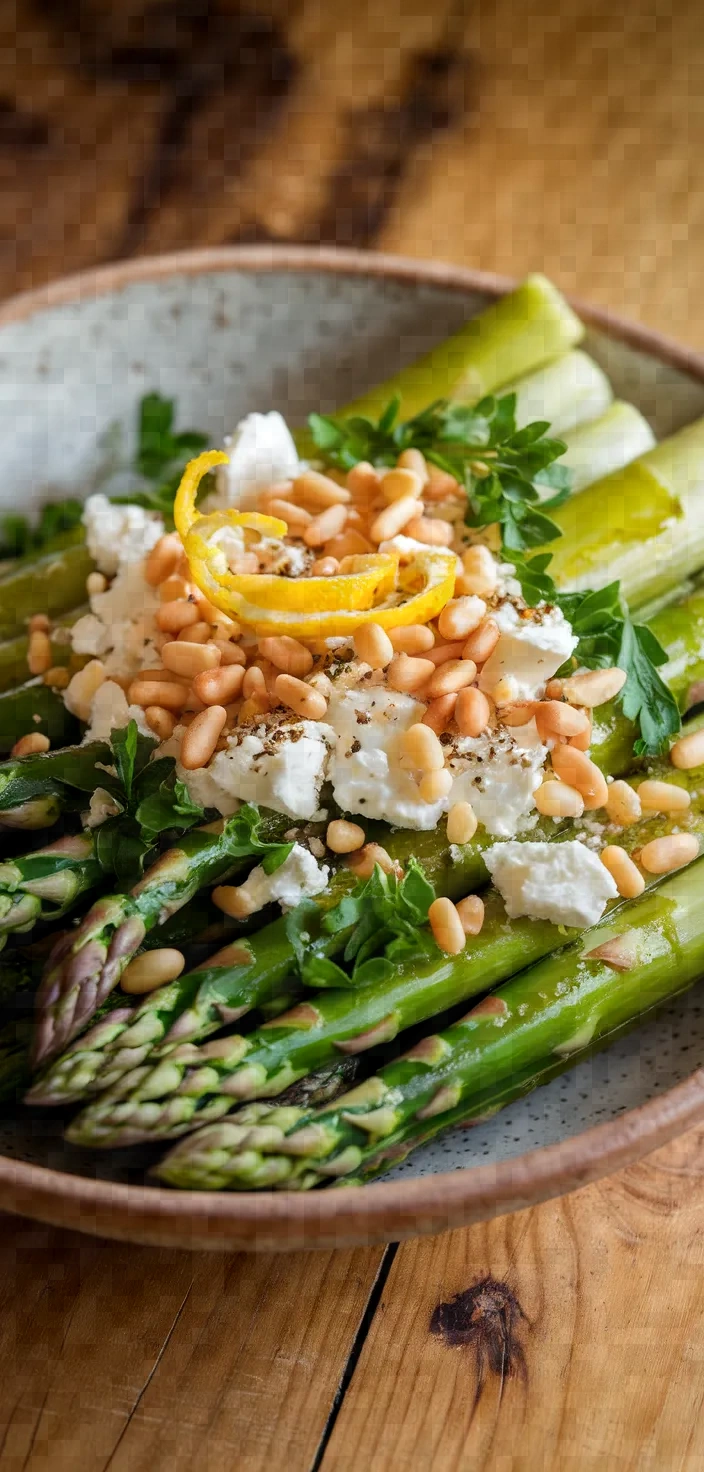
(510, 136)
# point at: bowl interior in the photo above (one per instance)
(224, 342)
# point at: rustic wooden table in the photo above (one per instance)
(512, 136)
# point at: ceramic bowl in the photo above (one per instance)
(227, 331)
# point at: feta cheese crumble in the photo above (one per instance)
(262, 452)
(278, 765)
(121, 626)
(110, 711)
(119, 534)
(364, 767)
(298, 878)
(498, 776)
(565, 883)
(532, 646)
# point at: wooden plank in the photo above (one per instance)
(130, 1358)
(579, 1344)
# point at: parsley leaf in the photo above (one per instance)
(645, 697)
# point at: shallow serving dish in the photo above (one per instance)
(226, 331)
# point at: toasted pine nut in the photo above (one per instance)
(447, 927)
(576, 768)
(627, 878)
(688, 752)
(330, 523)
(180, 614)
(414, 460)
(162, 722)
(442, 653)
(197, 633)
(559, 800)
(472, 712)
(441, 485)
(301, 698)
(518, 713)
(595, 687)
(363, 862)
(270, 673)
(254, 682)
(343, 837)
(460, 617)
(201, 738)
(190, 659)
(247, 562)
(433, 786)
(96, 582)
(39, 652)
(233, 900)
(439, 713)
(451, 677)
(163, 559)
(662, 855)
(57, 677)
(230, 653)
(471, 913)
(151, 970)
(555, 718)
(420, 750)
(553, 689)
(399, 484)
(82, 687)
(373, 645)
(350, 544)
(461, 823)
(287, 654)
(168, 693)
(296, 517)
(363, 481)
(480, 573)
(430, 529)
(583, 740)
(663, 797)
(39, 623)
(254, 707)
(221, 686)
(406, 674)
(412, 638)
(31, 744)
(319, 491)
(395, 517)
(174, 589)
(623, 804)
(482, 642)
(324, 567)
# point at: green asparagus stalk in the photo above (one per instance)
(61, 779)
(47, 883)
(569, 391)
(35, 707)
(14, 651)
(598, 449)
(194, 1083)
(539, 1023)
(50, 584)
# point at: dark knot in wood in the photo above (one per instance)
(485, 1318)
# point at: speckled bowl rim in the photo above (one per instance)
(384, 1211)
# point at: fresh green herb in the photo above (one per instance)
(150, 802)
(387, 917)
(500, 466)
(161, 456)
(19, 537)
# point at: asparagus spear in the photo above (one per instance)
(14, 651)
(46, 884)
(60, 779)
(609, 443)
(35, 707)
(192, 1083)
(538, 1024)
(49, 584)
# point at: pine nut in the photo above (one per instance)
(197, 633)
(350, 544)
(82, 688)
(96, 582)
(168, 693)
(162, 722)
(406, 674)
(253, 682)
(343, 837)
(414, 460)
(171, 618)
(439, 713)
(282, 490)
(151, 970)
(472, 712)
(482, 642)
(174, 589)
(627, 878)
(451, 677)
(447, 927)
(31, 744)
(688, 752)
(555, 718)
(595, 687)
(395, 517)
(553, 689)
(583, 740)
(623, 804)
(662, 855)
(663, 797)
(420, 750)
(39, 652)
(301, 698)
(190, 659)
(435, 785)
(575, 768)
(270, 673)
(234, 900)
(480, 573)
(430, 529)
(230, 653)
(471, 913)
(287, 654)
(363, 481)
(39, 623)
(296, 517)
(247, 563)
(400, 484)
(254, 707)
(441, 653)
(412, 638)
(163, 559)
(441, 485)
(363, 862)
(221, 686)
(201, 738)
(461, 823)
(324, 567)
(460, 617)
(57, 677)
(518, 713)
(328, 524)
(558, 800)
(319, 491)
(373, 645)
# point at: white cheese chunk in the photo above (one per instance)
(531, 648)
(298, 878)
(110, 711)
(279, 766)
(364, 767)
(498, 776)
(565, 883)
(262, 452)
(121, 626)
(119, 534)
